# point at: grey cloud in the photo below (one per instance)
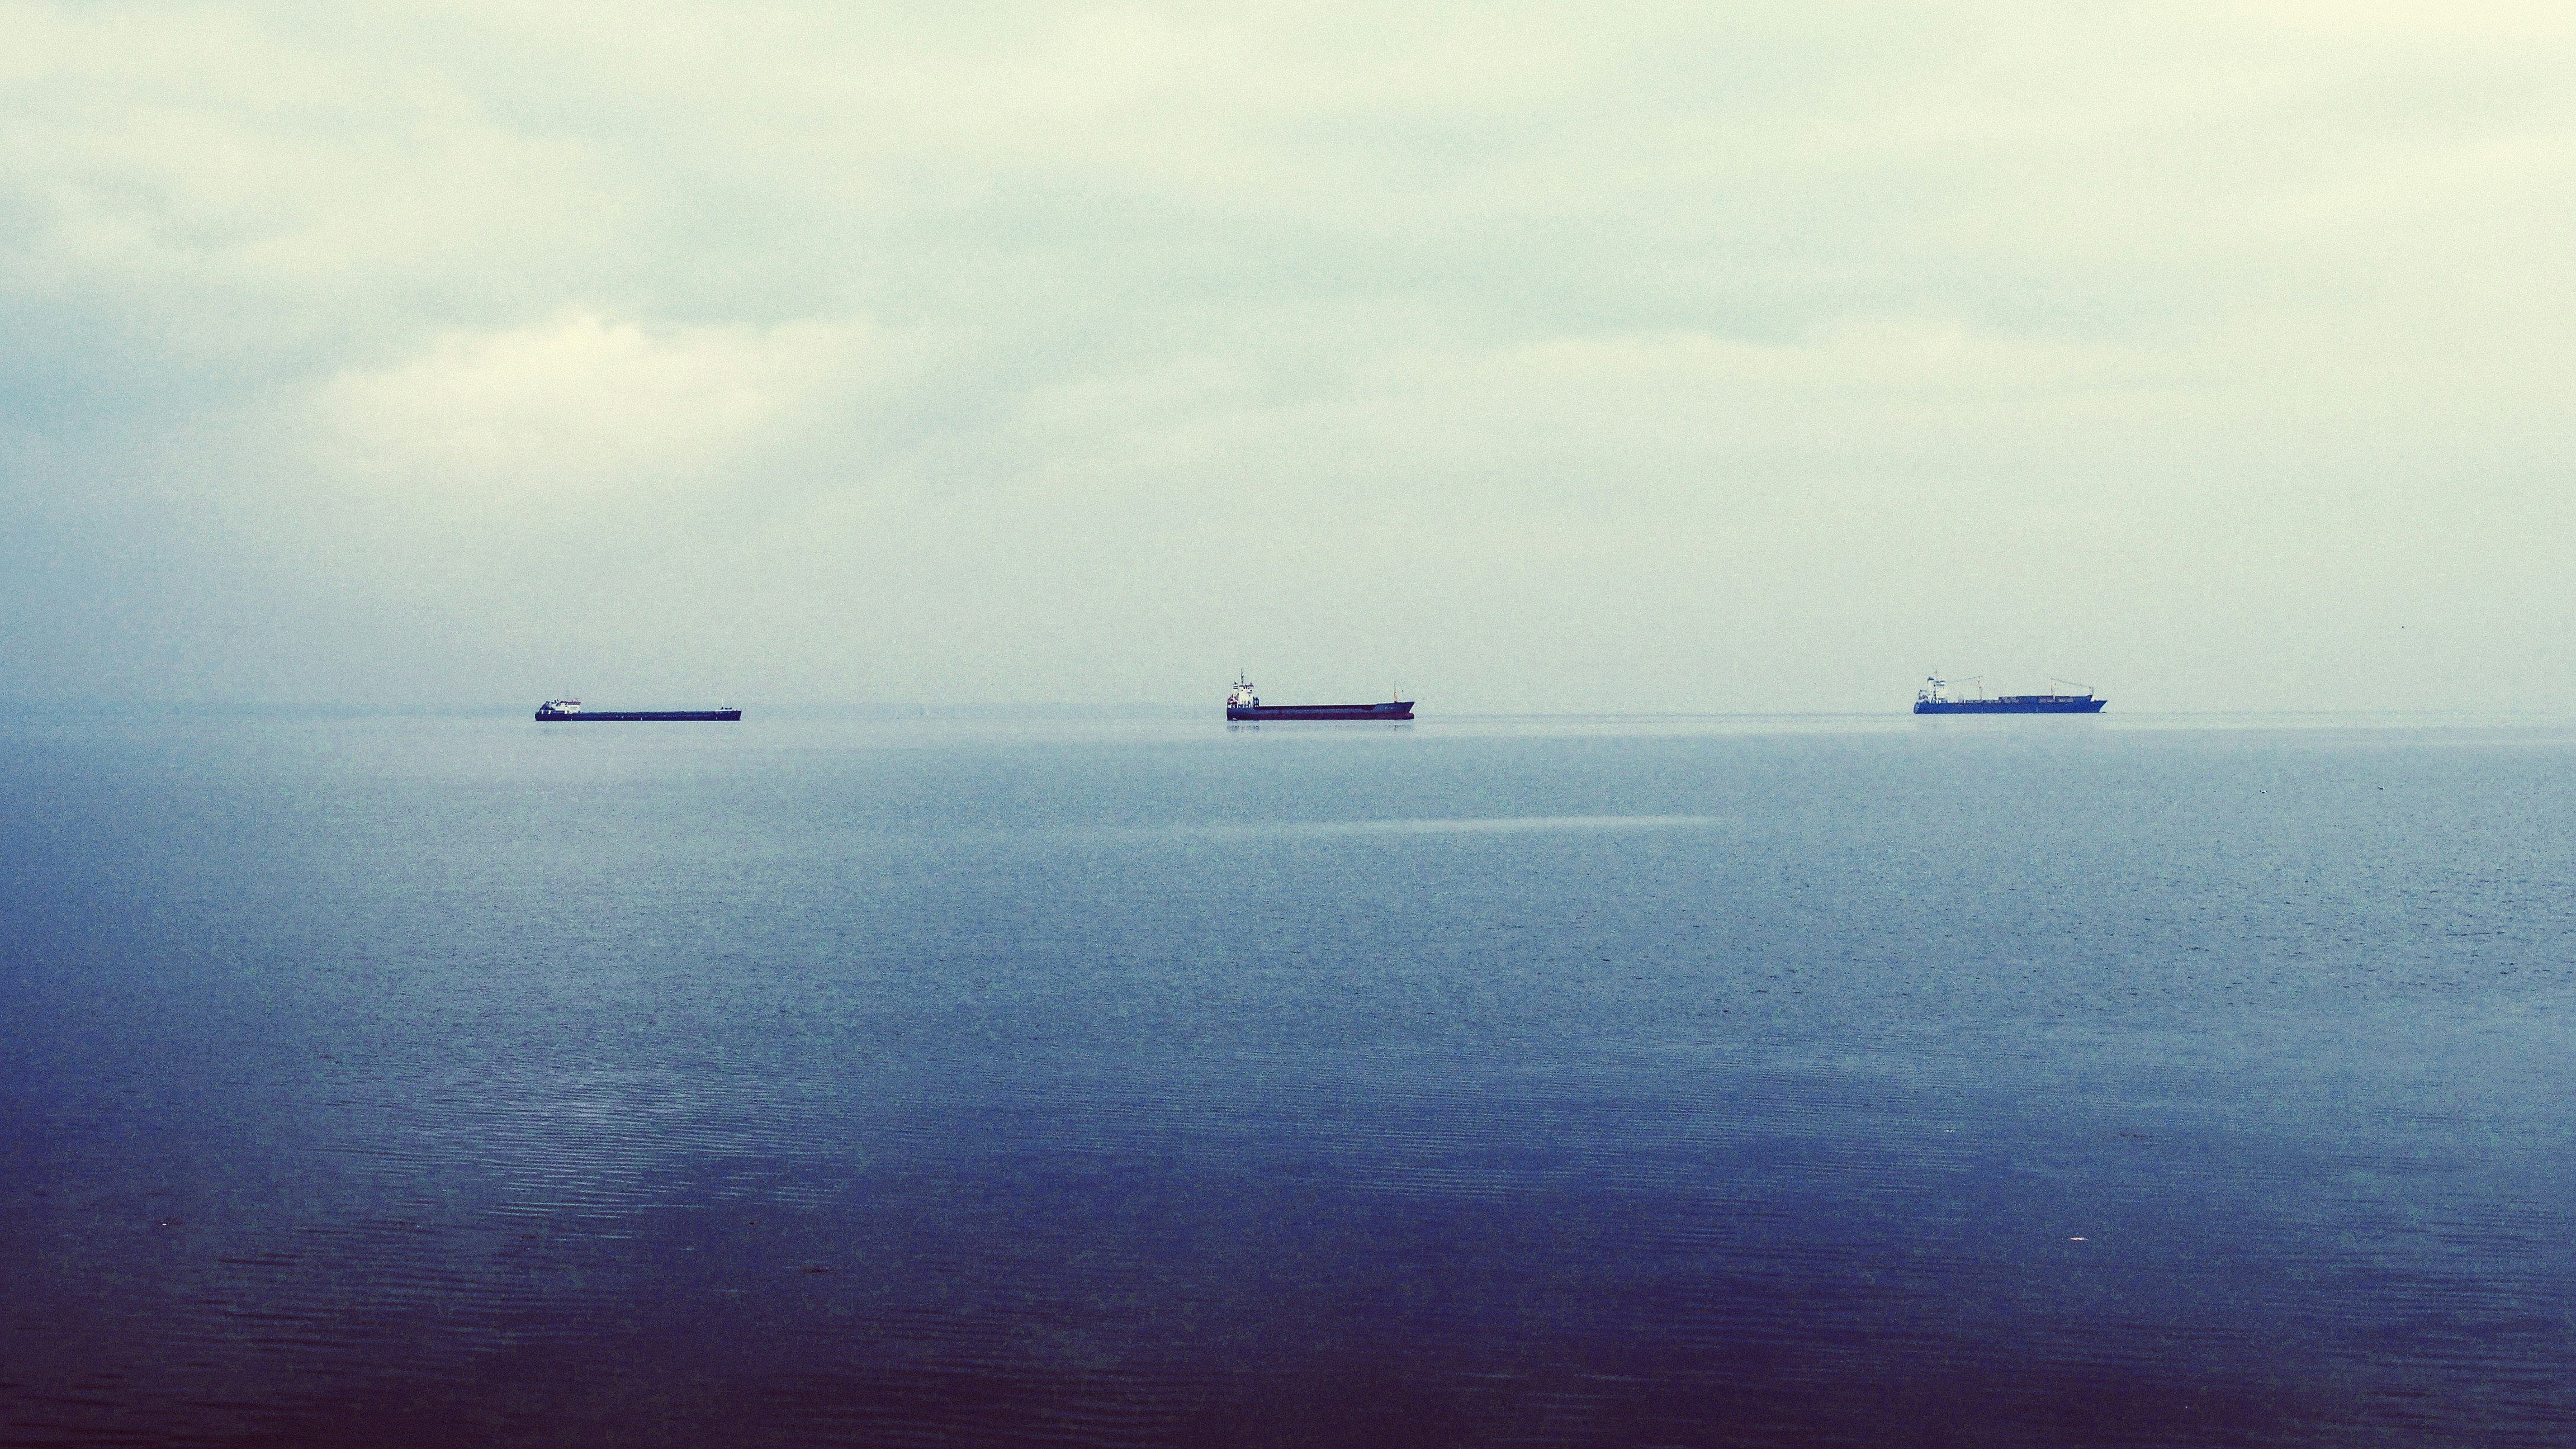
(1677, 358)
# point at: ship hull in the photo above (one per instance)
(634, 716)
(1400, 709)
(2032, 704)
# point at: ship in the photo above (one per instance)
(1243, 705)
(563, 711)
(1934, 698)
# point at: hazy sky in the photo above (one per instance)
(1622, 357)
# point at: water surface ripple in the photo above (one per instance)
(1541, 1082)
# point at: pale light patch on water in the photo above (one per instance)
(1498, 825)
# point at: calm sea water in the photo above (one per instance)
(1488, 1082)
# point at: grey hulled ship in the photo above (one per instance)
(1243, 705)
(570, 711)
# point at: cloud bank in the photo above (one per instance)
(1541, 358)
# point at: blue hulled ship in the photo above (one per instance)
(1935, 698)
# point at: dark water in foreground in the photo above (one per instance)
(1983, 1082)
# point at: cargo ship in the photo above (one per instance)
(1934, 698)
(1243, 704)
(570, 711)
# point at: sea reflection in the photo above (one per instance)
(1540, 1086)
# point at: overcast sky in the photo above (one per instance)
(1700, 357)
